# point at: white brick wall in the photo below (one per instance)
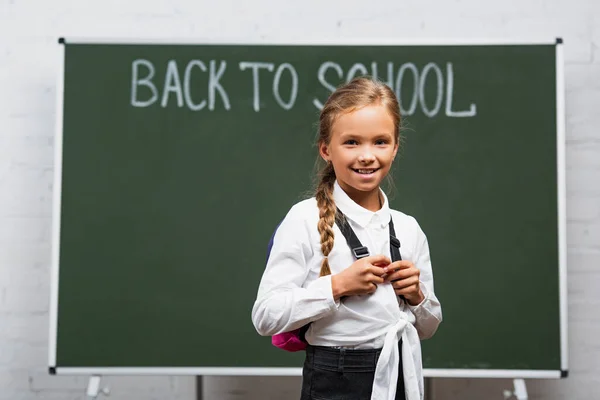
(28, 33)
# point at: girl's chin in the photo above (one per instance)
(363, 185)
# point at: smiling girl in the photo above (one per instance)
(365, 314)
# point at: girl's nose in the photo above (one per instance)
(366, 157)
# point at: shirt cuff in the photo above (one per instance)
(322, 285)
(425, 298)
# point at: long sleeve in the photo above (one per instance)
(428, 313)
(284, 301)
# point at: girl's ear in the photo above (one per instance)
(324, 151)
(395, 151)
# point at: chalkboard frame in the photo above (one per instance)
(233, 371)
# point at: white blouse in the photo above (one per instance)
(291, 293)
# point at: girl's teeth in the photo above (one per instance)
(365, 171)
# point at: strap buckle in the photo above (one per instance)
(360, 252)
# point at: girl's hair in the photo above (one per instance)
(356, 94)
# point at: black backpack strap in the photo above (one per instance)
(358, 250)
(394, 243)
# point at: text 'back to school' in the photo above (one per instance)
(199, 85)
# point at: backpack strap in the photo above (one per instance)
(394, 243)
(394, 246)
(358, 250)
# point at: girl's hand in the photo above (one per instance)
(361, 277)
(405, 281)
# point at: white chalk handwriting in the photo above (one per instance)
(429, 89)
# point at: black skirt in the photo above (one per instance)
(342, 374)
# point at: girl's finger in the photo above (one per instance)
(372, 287)
(375, 279)
(399, 265)
(409, 290)
(378, 259)
(375, 270)
(405, 283)
(403, 274)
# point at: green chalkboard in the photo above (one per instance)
(179, 160)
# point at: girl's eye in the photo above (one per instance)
(351, 142)
(381, 142)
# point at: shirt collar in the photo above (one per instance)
(358, 214)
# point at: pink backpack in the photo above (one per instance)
(289, 341)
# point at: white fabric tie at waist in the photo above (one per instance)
(386, 372)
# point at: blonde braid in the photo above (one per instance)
(324, 196)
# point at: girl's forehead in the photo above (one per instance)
(368, 119)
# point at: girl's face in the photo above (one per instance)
(362, 148)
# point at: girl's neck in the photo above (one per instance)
(370, 200)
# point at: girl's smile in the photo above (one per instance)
(368, 172)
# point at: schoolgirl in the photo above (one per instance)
(365, 314)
